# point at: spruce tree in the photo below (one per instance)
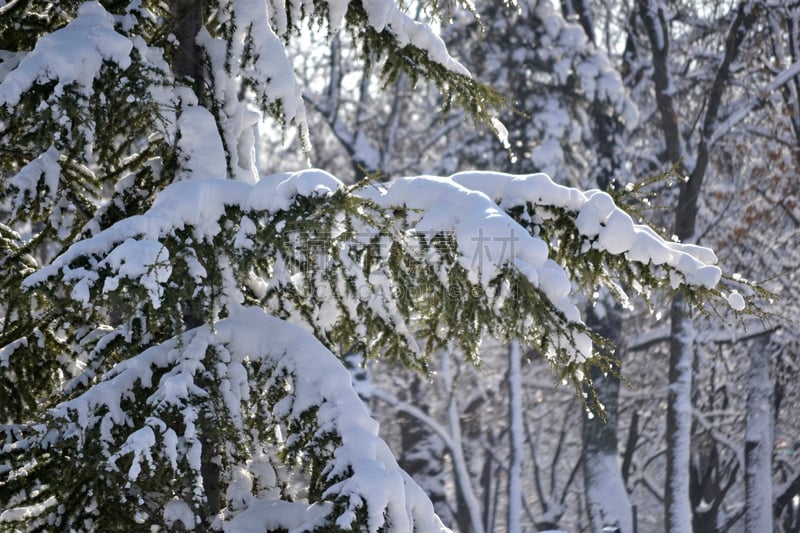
(570, 108)
(171, 320)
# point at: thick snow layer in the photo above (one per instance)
(272, 67)
(598, 218)
(21, 513)
(178, 511)
(606, 493)
(370, 473)
(469, 206)
(9, 61)
(73, 54)
(44, 169)
(267, 71)
(201, 152)
(385, 15)
(143, 260)
(736, 301)
(271, 515)
(197, 203)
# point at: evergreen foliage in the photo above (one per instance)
(167, 333)
(565, 93)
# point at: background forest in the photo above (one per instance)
(606, 94)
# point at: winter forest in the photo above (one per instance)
(399, 266)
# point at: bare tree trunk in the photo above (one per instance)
(759, 440)
(516, 438)
(677, 504)
(679, 420)
(677, 508)
(607, 500)
(422, 453)
(468, 513)
(187, 20)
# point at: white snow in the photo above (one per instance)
(597, 217)
(468, 206)
(143, 260)
(759, 439)
(268, 72)
(139, 443)
(44, 170)
(9, 61)
(517, 438)
(606, 493)
(736, 301)
(618, 234)
(386, 15)
(17, 514)
(597, 208)
(575, 55)
(201, 152)
(8, 350)
(73, 54)
(319, 380)
(679, 450)
(269, 515)
(179, 511)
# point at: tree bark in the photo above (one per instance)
(516, 438)
(759, 440)
(187, 20)
(677, 504)
(607, 499)
(422, 454)
(468, 513)
(679, 420)
(655, 24)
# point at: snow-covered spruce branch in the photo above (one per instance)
(356, 266)
(128, 347)
(276, 376)
(343, 278)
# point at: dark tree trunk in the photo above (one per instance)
(187, 19)
(187, 64)
(608, 502)
(677, 506)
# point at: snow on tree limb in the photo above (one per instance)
(487, 243)
(90, 36)
(362, 474)
(600, 220)
(163, 338)
(746, 108)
